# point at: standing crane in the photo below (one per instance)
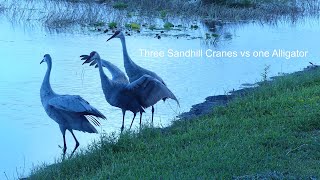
(133, 70)
(71, 112)
(135, 96)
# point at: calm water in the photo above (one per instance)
(29, 137)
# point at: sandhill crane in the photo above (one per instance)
(71, 112)
(135, 96)
(134, 71)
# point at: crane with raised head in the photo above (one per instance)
(133, 70)
(71, 112)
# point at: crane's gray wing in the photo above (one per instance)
(75, 104)
(150, 90)
(117, 74)
(144, 71)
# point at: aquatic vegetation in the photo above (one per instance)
(163, 14)
(120, 5)
(194, 27)
(65, 13)
(208, 36)
(215, 35)
(135, 26)
(112, 25)
(168, 25)
(233, 3)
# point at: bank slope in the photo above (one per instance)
(273, 131)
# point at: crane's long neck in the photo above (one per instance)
(105, 81)
(127, 60)
(46, 86)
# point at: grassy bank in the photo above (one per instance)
(271, 132)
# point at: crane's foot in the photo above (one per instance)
(75, 148)
(64, 149)
(122, 127)
(152, 111)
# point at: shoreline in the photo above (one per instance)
(255, 127)
(211, 102)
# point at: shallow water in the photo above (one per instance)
(30, 137)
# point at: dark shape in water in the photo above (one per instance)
(212, 24)
(105, 31)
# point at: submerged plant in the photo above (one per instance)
(168, 25)
(112, 25)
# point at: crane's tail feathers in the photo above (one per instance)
(93, 120)
(86, 126)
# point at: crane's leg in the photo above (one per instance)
(134, 116)
(77, 143)
(152, 111)
(140, 118)
(123, 114)
(63, 131)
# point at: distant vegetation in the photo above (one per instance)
(64, 13)
(271, 133)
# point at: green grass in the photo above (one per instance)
(274, 128)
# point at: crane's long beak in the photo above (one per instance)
(112, 36)
(42, 61)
